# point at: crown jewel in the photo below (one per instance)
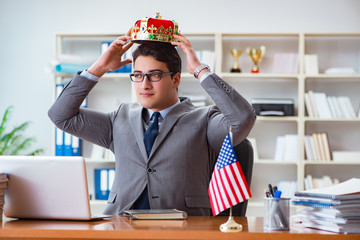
(154, 29)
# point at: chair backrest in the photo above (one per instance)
(244, 153)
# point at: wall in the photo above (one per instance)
(27, 29)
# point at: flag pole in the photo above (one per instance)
(231, 225)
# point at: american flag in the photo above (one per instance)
(228, 185)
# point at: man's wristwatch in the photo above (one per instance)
(200, 68)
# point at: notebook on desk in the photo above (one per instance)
(43, 187)
(347, 190)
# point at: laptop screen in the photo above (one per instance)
(43, 187)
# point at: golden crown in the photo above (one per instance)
(154, 29)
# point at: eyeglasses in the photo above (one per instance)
(152, 76)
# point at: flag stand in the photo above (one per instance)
(231, 225)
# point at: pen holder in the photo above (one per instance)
(276, 214)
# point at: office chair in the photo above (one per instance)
(244, 153)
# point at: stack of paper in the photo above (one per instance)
(3, 184)
(335, 208)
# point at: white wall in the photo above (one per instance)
(27, 29)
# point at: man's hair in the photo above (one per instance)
(162, 52)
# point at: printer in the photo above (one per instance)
(273, 106)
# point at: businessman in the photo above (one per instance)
(165, 148)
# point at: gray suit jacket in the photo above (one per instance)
(179, 168)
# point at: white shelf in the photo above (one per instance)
(308, 119)
(273, 162)
(330, 76)
(277, 119)
(257, 75)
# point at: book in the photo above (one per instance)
(312, 103)
(322, 106)
(349, 189)
(324, 181)
(340, 71)
(325, 145)
(285, 63)
(308, 149)
(309, 105)
(172, 223)
(155, 214)
(317, 147)
(311, 64)
(346, 156)
(327, 203)
(286, 148)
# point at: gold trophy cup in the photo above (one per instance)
(236, 54)
(256, 55)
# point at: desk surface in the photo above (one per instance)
(119, 227)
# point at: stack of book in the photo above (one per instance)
(318, 105)
(3, 184)
(335, 208)
(317, 147)
(311, 182)
(286, 148)
(311, 64)
(285, 63)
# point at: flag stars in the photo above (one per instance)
(226, 156)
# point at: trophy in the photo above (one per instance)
(256, 55)
(236, 54)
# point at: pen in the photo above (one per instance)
(271, 190)
(277, 194)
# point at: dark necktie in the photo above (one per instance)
(151, 132)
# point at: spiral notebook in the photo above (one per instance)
(347, 190)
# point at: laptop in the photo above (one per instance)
(46, 187)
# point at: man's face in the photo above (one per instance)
(155, 95)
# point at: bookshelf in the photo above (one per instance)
(334, 50)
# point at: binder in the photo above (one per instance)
(104, 178)
(67, 144)
(59, 142)
(75, 146)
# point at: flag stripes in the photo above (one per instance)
(228, 185)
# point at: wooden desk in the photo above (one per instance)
(123, 228)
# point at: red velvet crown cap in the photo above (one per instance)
(154, 29)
